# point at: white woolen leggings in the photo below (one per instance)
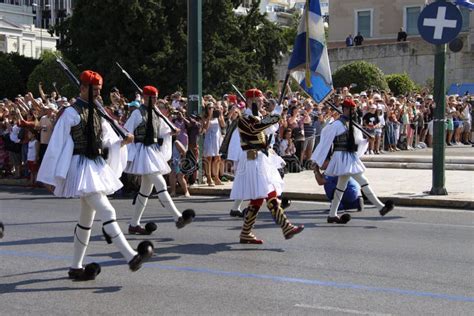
(341, 187)
(146, 187)
(91, 204)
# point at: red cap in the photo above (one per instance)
(150, 91)
(232, 98)
(349, 103)
(253, 93)
(90, 77)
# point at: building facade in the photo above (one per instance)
(379, 23)
(24, 25)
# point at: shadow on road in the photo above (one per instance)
(16, 287)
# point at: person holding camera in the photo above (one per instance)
(213, 122)
(148, 157)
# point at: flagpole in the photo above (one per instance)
(285, 82)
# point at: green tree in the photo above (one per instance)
(364, 74)
(48, 72)
(25, 65)
(149, 40)
(10, 78)
(400, 83)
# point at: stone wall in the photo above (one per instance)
(415, 57)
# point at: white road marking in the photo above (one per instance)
(341, 310)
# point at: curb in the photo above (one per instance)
(416, 165)
(424, 201)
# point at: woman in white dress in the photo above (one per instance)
(74, 165)
(213, 123)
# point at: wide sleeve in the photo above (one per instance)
(234, 146)
(117, 157)
(167, 147)
(57, 158)
(328, 134)
(132, 123)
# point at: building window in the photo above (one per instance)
(364, 23)
(465, 19)
(411, 20)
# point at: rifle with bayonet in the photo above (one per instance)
(155, 109)
(100, 108)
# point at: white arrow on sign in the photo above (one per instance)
(440, 23)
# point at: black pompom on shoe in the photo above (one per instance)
(389, 205)
(344, 219)
(89, 273)
(236, 213)
(2, 229)
(186, 218)
(150, 227)
(145, 251)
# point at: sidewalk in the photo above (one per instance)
(407, 184)
(403, 176)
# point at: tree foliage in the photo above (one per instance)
(48, 72)
(364, 74)
(400, 83)
(149, 39)
(10, 78)
(16, 74)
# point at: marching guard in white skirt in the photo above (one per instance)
(338, 153)
(75, 166)
(256, 176)
(148, 157)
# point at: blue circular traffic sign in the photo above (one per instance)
(440, 22)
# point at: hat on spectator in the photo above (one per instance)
(430, 97)
(150, 91)
(373, 106)
(232, 98)
(225, 96)
(393, 99)
(89, 77)
(253, 93)
(376, 97)
(417, 103)
(134, 104)
(363, 94)
(349, 103)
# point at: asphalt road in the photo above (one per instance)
(414, 261)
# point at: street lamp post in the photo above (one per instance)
(42, 8)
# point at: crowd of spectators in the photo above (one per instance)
(403, 122)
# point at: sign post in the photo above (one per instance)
(439, 23)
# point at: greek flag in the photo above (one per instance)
(309, 63)
(465, 3)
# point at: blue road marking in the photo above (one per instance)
(274, 278)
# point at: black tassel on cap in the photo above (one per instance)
(149, 125)
(92, 150)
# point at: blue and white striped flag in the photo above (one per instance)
(309, 63)
(465, 3)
